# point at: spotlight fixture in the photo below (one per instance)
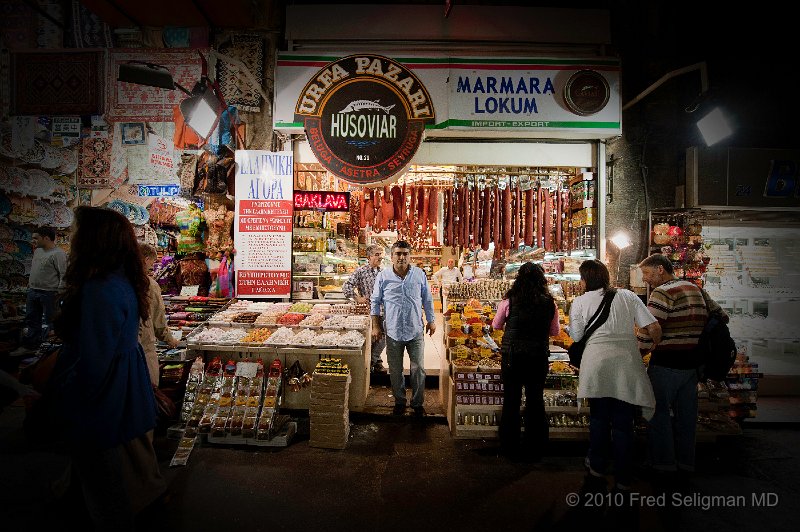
(202, 109)
(714, 127)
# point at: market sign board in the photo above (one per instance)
(543, 97)
(547, 95)
(263, 224)
(322, 201)
(364, 116)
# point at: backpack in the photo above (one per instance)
(716, 347)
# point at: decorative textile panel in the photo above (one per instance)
(17, 24)
(56, 84)
(94, 163)
(87, 29)
(249, 49)
(131, 102)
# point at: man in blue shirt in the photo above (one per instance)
(403, 292)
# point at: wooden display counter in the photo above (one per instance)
(357, 359)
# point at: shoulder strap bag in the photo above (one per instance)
(600, 316)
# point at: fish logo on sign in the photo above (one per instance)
(358, 105)
(364, 117)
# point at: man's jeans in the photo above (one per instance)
(39, 303)
(376, 349)
(416, 354)
(671, 439)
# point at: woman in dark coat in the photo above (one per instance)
(528, 315)
(105, 405)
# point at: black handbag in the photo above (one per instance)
(575, 351)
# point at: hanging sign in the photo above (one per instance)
(364, 116)
(156, 191)
(263, 234)
(322, 201)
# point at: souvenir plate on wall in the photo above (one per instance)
(52, 157)
(44, 213)
(20, 182)
(41, 184)
(69, 161)
(62, 216)
(35, 155)
(6, 147)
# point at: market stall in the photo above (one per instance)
(297, 335)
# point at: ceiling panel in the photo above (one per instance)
(186, 13)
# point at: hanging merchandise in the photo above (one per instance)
(190, 223)
(219, 221)
(223, 284)
(187, 172)
(213, 174)
(194, 272)
(167, 276)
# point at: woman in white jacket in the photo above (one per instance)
(612, 374)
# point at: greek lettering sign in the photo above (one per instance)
(364, 116)
(264, 211)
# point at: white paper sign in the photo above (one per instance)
(264, 212)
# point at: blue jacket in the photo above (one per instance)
(106, 397)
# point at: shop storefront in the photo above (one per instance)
(736, 238)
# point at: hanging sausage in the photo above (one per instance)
(397, 204)
(422, 209)
(433, 215)
(412, 207)
(548, 221)
(559, 209)
(507, 215)
(517, 229)
(486, 217)
(475, 215)
(528, 233)
(496, 232)
(362, 219)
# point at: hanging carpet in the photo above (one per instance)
(249, 49)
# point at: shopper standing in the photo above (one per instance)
(612, 374)
(104, 403)
(403, 292)
(155, 326)
(46, 279)
(359, 288)
(529, 317)
(681, 311)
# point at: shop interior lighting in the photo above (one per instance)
(621, 240)
(714, 127)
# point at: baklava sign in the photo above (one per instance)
(364, 117)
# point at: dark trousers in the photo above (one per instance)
(528, 370)
(611, 426)
(39, 304)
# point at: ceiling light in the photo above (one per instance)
(714, 127)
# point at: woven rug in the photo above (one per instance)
(46, 83)
(17, 24)
(249, 49)
(87, 29)
(129, 102)
(94, 163)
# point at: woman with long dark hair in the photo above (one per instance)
(105, 402)
(528, 315)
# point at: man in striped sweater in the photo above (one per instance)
(680, 309)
